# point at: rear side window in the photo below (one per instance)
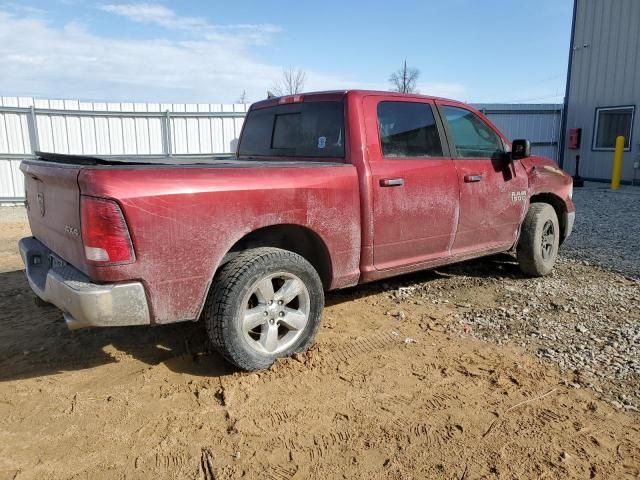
(312, 129)
(408, 130)
(472, 137)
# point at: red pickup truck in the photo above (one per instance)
(326, 190)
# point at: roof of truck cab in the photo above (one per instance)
(329, 95)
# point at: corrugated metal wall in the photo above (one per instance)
(538, 123)
(69, 126)
(605, 72)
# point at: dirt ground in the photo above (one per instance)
(383, 394)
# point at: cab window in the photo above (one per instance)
(307, 129)
(472, 137)
(408, 130)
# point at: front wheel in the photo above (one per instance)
(537, 248)
(265, 303)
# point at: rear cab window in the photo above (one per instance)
(305, 129)
(408, 130)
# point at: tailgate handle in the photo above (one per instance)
(391, 182)
(472, 178)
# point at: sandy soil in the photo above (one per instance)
(377, 397)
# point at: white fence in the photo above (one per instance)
(142, 129)
(152, 129)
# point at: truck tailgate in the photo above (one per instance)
(53, 203)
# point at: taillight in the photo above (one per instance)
(104, 232)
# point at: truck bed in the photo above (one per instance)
(184, 218)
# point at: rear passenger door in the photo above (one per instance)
(414, 185)
(492, 202)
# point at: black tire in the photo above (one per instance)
(40, 302)
(224, 309)
(539, 241)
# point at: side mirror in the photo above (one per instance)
(520, 149)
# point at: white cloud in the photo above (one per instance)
(42, 60)
(153, 13)
(157, 14)
(207, 63)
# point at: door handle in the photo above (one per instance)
(472, 178)
(391, 182)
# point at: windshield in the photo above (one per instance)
(312, 129)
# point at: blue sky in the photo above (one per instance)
(210, 51)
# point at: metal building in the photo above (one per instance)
(603, 88)
(537, 122)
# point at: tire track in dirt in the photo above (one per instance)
(318, 446)
(276, 472)
(343, 352)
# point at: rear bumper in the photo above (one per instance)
(84, 304)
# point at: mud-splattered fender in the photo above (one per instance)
(550, 184)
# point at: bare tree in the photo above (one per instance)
(291, 83)
(404, 80)
(243, 98)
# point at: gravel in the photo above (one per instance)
(588, 325)
(607, 228)
(584, 317)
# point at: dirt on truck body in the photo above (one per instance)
(327, 190)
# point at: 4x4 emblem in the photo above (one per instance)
(41, 203)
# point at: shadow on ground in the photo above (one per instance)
(35, 342)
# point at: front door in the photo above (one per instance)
(413, 182)
(493, 190)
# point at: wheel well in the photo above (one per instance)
(294, 238)
(558, 205)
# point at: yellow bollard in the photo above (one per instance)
(617, 163)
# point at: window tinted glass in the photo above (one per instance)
(408, 130)
(472, 137)
(611, 123)
(313, 129)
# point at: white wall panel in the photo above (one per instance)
(6, 179)
(88, 135)
(59, 129)
(45, 133)
(103, 140)
(4, 138)
(127, 129)
(17, 179)
(116, 140)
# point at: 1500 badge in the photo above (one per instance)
(518, 196)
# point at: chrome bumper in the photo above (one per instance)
(84, 304)
(571, 218)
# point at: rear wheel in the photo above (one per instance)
(539, 240)
(266, 303)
